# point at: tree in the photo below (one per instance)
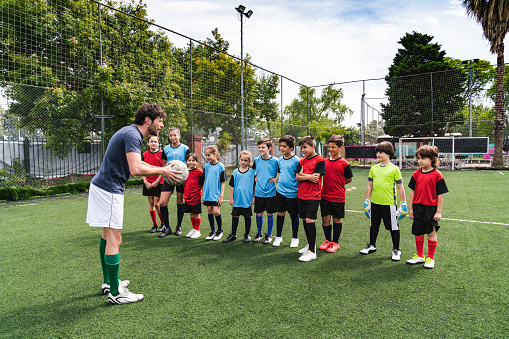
(493, 15)
(266, 108)
(424, 91)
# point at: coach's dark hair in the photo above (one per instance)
(385, 147)
(192, 155)
(265, 141)
(337, 139)
(430, 152)
(308, 140)
(289, 140)
(153, 111)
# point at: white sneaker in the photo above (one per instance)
(304, 249)
(396, 255)
(124, 297)
(294, 243)
(105, 288)
(308, 256)
(430, 263)
(218, 236)
(210, 236)
(415, 260)
(368, 249)
(190, 234)
(196, 234)
(277, 242)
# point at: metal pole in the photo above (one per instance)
(470, 97)
(281, 105)
(191, 90)
(102, 98)
(307, 113)
(363, 128)
(242, 136)
(432, 132)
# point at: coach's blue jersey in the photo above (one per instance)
(287, 184)
(265, 170)
(243, 187)
(214, 175)
(175, 153)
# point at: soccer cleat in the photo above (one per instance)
(124, 297)
(218, 236)
(325, 245)
(190, 234)
(247, 238)
(277, 242)
(415, 260)
(294, 243)
(178, 231)
(333, 247)
(153, 229)
(231, 237)
(304, 249)
(196, 234)
(307, 256)
(160, 229)
(396, 255)
(267, 239)
(258, 237)
(166, 231)
(430, 263)
(105, 288)
(368, 249)
(210, 236)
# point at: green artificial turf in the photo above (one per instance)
(51, 276)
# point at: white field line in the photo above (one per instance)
(462, 220)
(500, 172)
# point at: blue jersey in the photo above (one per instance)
(114, 171)
(287, 184)
(214, 175)
(175, 153)
(265, 170)
(243, 187)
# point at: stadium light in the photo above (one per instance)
(248, 14)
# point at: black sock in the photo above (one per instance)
(219, 221)
(305, 227)
(235, 224)
(395, 239)
(280, 223)
(337, 228)
(311, 236)
(295, 225)
(327, 230)
(247, 221)
(180, 214)
(164, 215)
(373, 234)
(211, 222)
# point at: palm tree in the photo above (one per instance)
(493, 15)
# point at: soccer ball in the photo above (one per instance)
(180, 167)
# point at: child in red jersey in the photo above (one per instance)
(426, 199)
(309, 175)
(338, 173)
(152, 185)
(192, 194)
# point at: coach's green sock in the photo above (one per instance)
(102, 249)
(113, 262)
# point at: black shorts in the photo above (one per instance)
(308, 209)
(336, 209)
(211, 203)
(153, 192)
(169, 188)
(387, 213)
(284, 204)
(265, 204)
(244, 211)
(195, 209)
(423, 219)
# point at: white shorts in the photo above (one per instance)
(105, 209)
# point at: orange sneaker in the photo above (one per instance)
(324, 245)
(333, 247)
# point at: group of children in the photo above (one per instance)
(302, 186)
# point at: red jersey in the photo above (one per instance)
(192, 187)
(307, 189)
(336, 173)
(153, 159)
(427, 186)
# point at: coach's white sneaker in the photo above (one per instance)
(294, 243)
(304, 249)
(105, 288)
(190, 234)
(277, 242)
(124, 297)
(396, 255)
(308, 256)
(196, 234)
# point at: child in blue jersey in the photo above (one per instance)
(213, 191)
(242, 185)
(287, 190)
(174, 151)
(265, 190)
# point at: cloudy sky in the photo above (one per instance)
(321, 42)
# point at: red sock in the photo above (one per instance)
(419, 244)
(161, 218)
(153, 216)
(196, 223)
(432, 246)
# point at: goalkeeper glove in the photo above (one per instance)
(402, 211)
(367, 208)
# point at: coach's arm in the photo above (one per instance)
(140, 168)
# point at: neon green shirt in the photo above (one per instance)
(384, 180)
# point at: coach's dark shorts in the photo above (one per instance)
(153, 192)
(195, 209)
(265, 204)
(169, 188)
(284, 204)
(244, 211)
(211, 203)
(336, 209)
(308, 209)
(423, 219)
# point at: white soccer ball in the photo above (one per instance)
(179, 166)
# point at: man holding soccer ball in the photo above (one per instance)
(106, 199)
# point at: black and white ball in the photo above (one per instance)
(179, 166)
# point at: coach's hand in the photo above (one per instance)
(170, 174)
(367, 208)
